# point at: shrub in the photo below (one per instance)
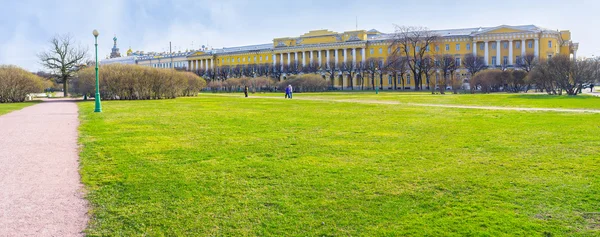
(254, 84)
(134, 82)
(16, 83)
(305, 83)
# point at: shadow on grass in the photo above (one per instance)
(552, 97)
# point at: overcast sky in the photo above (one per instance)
(26, 26)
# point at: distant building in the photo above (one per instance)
(176, 60)
(115, 51)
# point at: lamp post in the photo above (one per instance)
(98, 107)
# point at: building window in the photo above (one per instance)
(254, 58)
(529, 44)
(506, 45)
(481, 46)
(427, 48)
(389, 50)
(518, 46)
(437, 48)
(408, 79)
(457, 47)
(447, 47)
(371, 52)
(505, 60)
(493, 60)
(389, 79)
(468, 46)
(549, 43)
(494, 45)
(457, 62)
(266, 57)
(260, 58)
(380, 51)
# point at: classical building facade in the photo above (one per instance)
(499, 46)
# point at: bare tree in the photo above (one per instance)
(349, 68)
(63, 58)
(527, 62)
(331, 69)
(429, 68)
(412, 43)
(396, 65)
(447, 65)
(473, 63)
(370, 67)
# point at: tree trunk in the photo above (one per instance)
(65, 87)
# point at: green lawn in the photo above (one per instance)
(230, 166)
(496, 99)
(6, 108)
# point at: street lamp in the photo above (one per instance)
(98, 107)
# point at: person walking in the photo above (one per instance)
(591, 88)
(287, 92)
(291, 90)
(246, 91)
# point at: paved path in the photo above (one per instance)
(361, 101)
(40, 189)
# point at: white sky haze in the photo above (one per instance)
(26, 26)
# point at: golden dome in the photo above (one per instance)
(129, 52)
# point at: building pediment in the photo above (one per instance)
(503, 29)
(199, 53)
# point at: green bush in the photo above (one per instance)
(16, 83)
(134, 82)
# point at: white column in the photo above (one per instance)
(474, 45)
(336, 57)
(536, 47)
(289, 61)
(210, 61)
(281, 60)
(353, 56)
(574, 55)
(274, 59)
(362, 54)
(345, 55)
(205, 64)
(319, 57)
(498, 60)
(327, 60)
(303, 58)
(510, 52)
(296, 57)
(487, 52)
(311, 56)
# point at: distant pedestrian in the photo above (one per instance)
(591, 87)
(246, 91)
(287, 92)
(291, 91)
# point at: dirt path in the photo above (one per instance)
(40, 189)
(429, 105)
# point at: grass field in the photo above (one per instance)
(497, 99)
(230, 166)
(6, 108)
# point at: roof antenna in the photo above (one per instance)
(356, 22)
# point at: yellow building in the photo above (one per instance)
(502, 45)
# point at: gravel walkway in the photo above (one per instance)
(40, 189)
